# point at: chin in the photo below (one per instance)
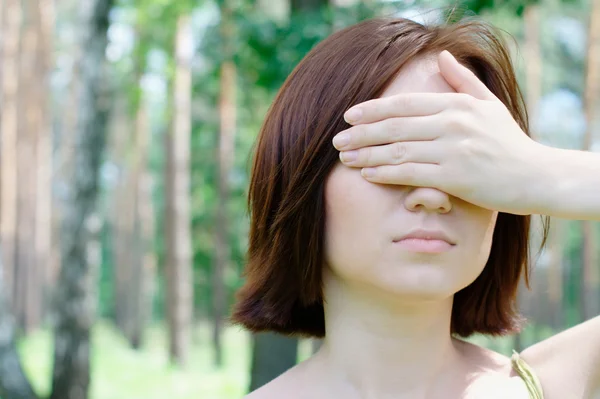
(421, 293)
(425, 281)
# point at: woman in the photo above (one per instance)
(392, 267)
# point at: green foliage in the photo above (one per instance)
(269, 51)
(515, 6)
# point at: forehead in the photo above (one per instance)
(421, 75)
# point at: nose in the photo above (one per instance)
(427, 199)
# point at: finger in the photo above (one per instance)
(461, 78)
(400, 105)
(408, 174)
(394, 154)
(388, 131)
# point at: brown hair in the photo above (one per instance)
(294, 155)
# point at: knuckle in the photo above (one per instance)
(394, 128)
(402, 101)
(362, 133)
(365, 155)
(455, 122)
(467, 146)
(466, 102)
(409, 172)
(398, 152)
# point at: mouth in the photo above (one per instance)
(424, 245)
(427, 241)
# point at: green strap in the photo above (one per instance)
(531, 381)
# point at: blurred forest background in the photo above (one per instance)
(126, 134)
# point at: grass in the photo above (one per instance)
(119, 372)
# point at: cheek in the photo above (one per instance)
(350, 218)
(483, 233)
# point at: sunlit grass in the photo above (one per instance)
(120, 372)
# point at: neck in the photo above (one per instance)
(380, 346)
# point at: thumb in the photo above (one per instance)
(462, 79)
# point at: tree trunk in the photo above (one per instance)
(43, 200)
(119, 129)
(147, 226)
(28, 300)
(272, 355)
(226, 143)
(143, 229)
(142, 248)
(316, 345)
(178, 234)
(12, 14)
(533, 93)
(128, 252)
(590, 275)
(555, 274)
(533, 56)
(13, 382)
(65, 147)
(74, 303)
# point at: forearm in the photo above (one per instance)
(572, 188)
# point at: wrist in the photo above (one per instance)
(541, 191)
(569, 184)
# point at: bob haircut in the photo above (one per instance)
(294, 155)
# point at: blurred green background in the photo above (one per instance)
(126, 136)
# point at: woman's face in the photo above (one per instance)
(365, 222)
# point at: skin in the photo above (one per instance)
(387, 309)
(483, 157)
(468, 145)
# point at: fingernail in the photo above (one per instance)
(353, 115)
(341, 140)
(349, 156)
(368, 172)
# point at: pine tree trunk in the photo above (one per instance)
(74, 302)
(590, 276)
(532, 95)
(227, 111)
(533, 56)
(272, 355)
(142, 229)
(555, 276)
(119, 129)
(43, 206)
(127, 253)
(66, 145)
(178, 234)
(28, 298)
(13, 382)
(147, 231)
(12, 14)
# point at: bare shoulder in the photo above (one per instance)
(288, 385)
(491, 373)
(484, 357)
(568, 363)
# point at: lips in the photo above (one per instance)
(424, 246)
(420, 235)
